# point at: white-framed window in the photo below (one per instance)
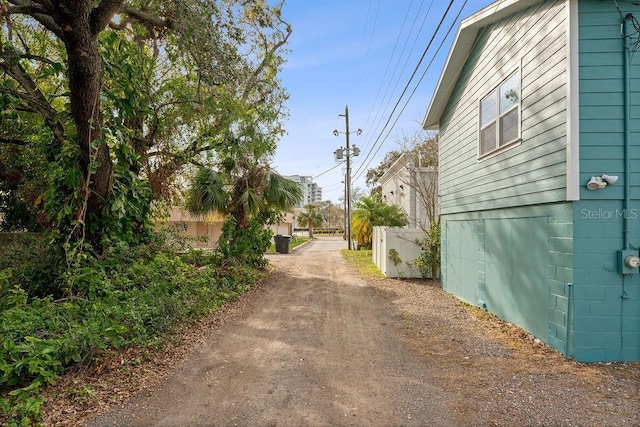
(500, 116)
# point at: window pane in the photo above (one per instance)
(488, 110)
(488, 139)
(509, 94)
(509, 127)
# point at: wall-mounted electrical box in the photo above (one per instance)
(628, 262)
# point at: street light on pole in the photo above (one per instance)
(347, 152)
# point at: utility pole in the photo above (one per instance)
(345, 208)
(339, 154)
(346, 120)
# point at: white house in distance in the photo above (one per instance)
(407, 185)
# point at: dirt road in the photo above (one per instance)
(318, 346)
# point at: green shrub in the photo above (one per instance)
(133, 296)
(428, 263)
(245, 246)
(36, 264)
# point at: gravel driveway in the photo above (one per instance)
(319, 346)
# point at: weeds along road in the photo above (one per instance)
(318, 346)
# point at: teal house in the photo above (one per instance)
(538, 113)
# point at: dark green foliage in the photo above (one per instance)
(428, 263)
(16, 214)
(245, 245)
(134, 295)
(36, 264)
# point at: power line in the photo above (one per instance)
(393, 53)
(361, 169)
(380, 110)
(328, 170)
(364, 28)
(404, 91)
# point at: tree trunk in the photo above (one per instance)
(85, 81)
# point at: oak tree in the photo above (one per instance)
(114, 98)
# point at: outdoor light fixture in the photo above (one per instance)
(598, 182)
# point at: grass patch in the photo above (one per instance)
(362, 261)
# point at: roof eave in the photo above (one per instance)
(462, 45)
(400, 162)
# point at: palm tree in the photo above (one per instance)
(311, 217)
(242, 192)
(371, 212)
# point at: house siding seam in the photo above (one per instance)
(482, 266)
(536, 167)
(545, 292)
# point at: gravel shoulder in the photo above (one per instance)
(318, 345)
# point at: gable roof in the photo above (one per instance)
(462, 45)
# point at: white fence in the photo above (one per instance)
(395, 250)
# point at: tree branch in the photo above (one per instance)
(40, 11)
(32, 95)
(33, 6)
(268, 56)
(103, 14)
(47, 4)
(145, 17)
(13, 141)
(38, 58)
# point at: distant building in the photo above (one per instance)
(203, 232)
(409, 186)
(312, 193)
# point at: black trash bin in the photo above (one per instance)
(282, 243)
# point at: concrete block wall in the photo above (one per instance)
(560, 280)
(606, 303)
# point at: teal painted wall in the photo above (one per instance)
(581, 305)
(606, 304)
(515, 262)
(462, 270)
(516, 259)
(532, 41)
(602, 96)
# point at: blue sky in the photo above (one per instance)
(359, 53)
